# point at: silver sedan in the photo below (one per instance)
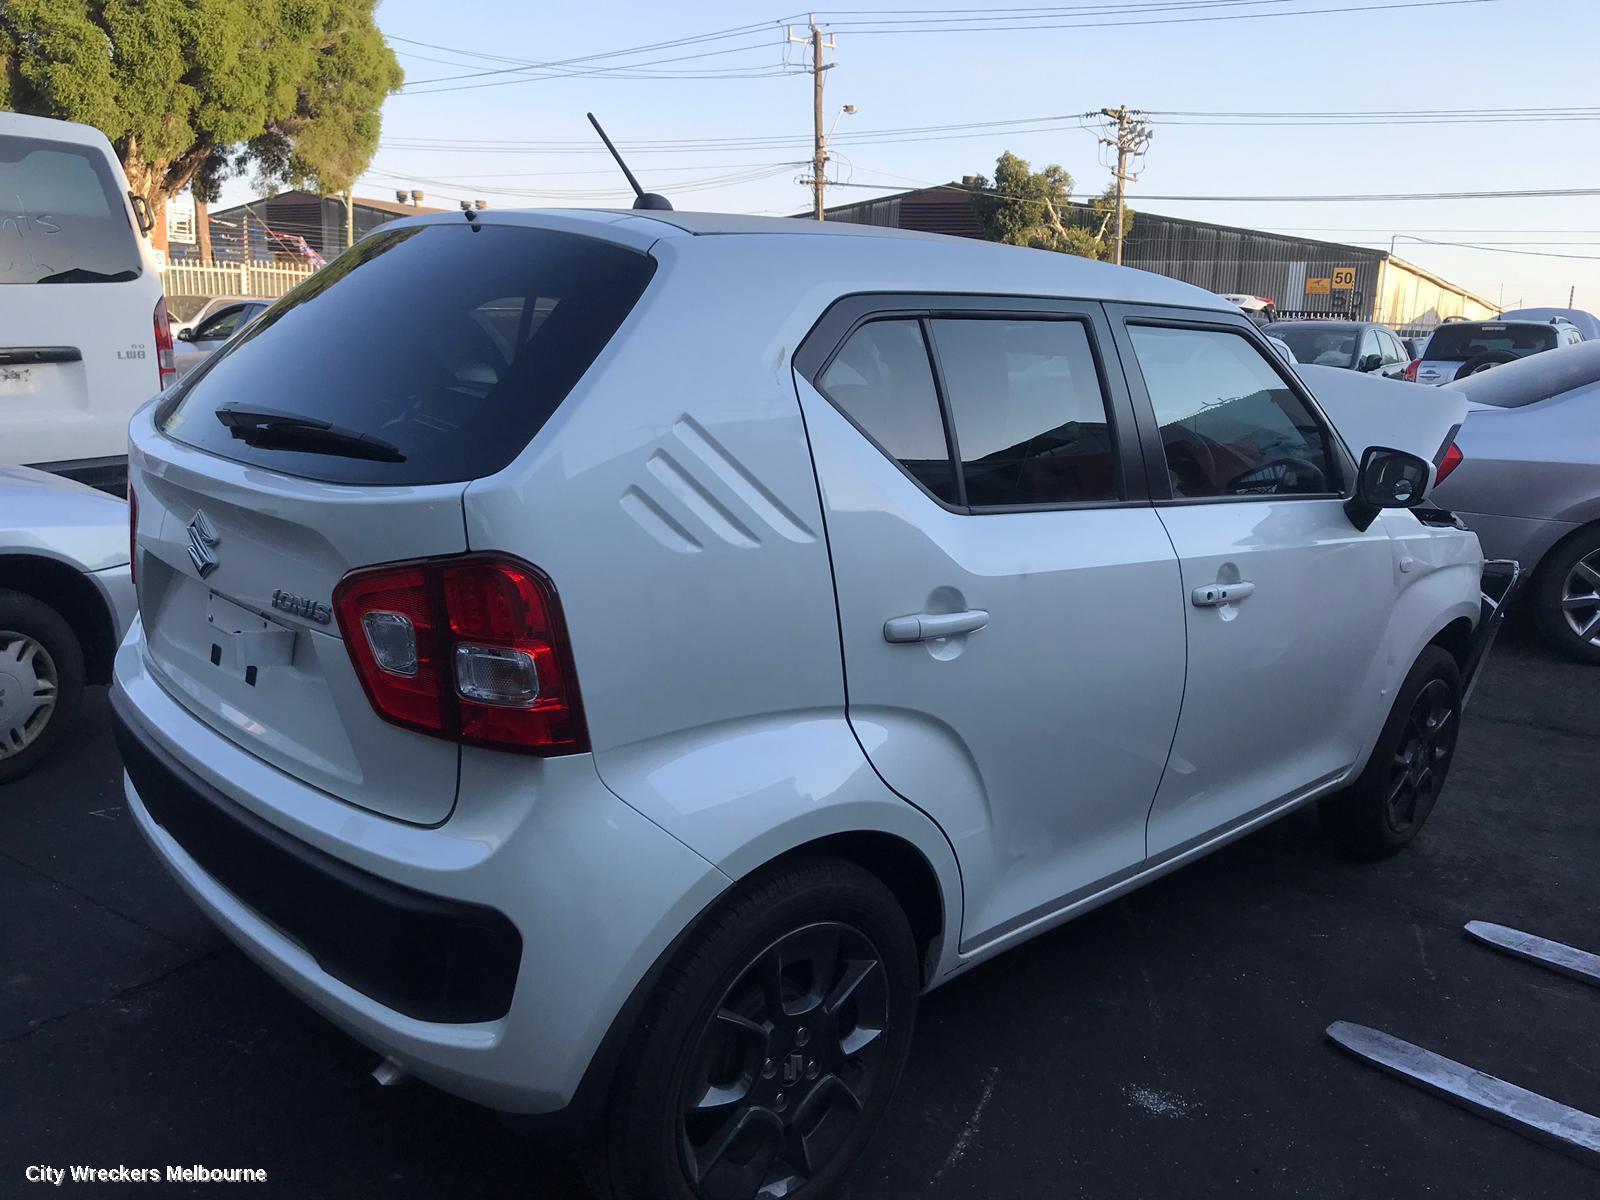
(1529, 484)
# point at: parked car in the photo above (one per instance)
(1261, 311)
(1416, 344)
(213, 329)
(1529, 484)
(1352, 345)
(1462, 348)
(195, 309)
(1585, 322)
(84, 338)
(1282, 347)
(66, 597)
(499, 589)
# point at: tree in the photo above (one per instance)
(1024, 207)
(192, 91)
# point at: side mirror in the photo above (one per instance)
(1370, 363)
(186, 335)
(1388, 479)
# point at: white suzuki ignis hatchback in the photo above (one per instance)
(617, 661)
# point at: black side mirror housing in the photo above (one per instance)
(186, 335)
(1370, 363)
(1388, 479)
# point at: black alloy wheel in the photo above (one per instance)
(785, 1065)
(1422, 760)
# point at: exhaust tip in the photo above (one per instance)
(389, 1072)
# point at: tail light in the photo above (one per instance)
(472, 649)
(1451, 460)
(166, 368)
(1411, 369)
(133, 534)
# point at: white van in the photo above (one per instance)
(84, 338)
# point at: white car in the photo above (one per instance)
(84, 337)
(66, 598)
(613, 685)
(212, 329)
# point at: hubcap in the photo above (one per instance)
(785, 1065)
(1580, 598)
(1422, 758)
(28, 685)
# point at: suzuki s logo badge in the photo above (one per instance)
(201, 538)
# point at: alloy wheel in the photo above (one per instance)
(28, 686)
(1580, 598)
(1422, 758)
(784, 1066)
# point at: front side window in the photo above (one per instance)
(882, 380)
(221, 326)
(1229, 424)
(1029, 413)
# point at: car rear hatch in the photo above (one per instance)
(339, 433)
(1454, 345)
(77, 306)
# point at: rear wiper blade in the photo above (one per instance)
(273, 429)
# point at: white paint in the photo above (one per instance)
(1156, 1103)
(968, 1131)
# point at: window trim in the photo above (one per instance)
(846, 315)
(1155, 459)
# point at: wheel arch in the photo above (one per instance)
(72, 594)
(1542, 568)
(1456, 639)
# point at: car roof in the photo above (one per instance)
(52, 130)
(847, 253)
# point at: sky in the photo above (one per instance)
(1163, 56)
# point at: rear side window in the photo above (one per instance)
(881, 379)
(1230, 425)
(62, 216)
(1458, 342)
(449, 346)
(1030, 417)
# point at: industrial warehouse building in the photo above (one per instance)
(1296, 274)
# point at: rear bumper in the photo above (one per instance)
(490, 955)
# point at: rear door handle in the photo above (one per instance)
(922, 627)
(1212, 595)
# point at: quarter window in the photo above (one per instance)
(882, 380)
(1230, 425)
(1030, 417)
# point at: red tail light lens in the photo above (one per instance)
(1411, 369)
(472, 649)
(166, 368)
(1452, 460)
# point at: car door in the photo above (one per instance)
(1395, 358)
(1009, 603)
(1286, 601)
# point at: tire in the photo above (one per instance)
(1489, 358)
(1391, 800)
(1570, 572)
(712, 1033)
(39, 654)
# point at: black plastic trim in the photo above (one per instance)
(422, 955)
(27, 356)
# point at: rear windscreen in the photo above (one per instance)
(451, 346)
(1461, 342)
(62, 216)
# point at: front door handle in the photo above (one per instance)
(922, 627)
(1212, 595)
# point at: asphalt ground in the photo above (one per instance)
(1168, 1045)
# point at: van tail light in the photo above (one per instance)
(472, 649)
(1451, 460)
(1411, 369)
(133, 535)
(166, 367)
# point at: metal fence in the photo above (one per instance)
(234, 279)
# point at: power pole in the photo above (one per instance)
(349, 217)
(1571, 292)
(1133, 135)
(819, 154)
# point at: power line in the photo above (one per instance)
(1003, 23)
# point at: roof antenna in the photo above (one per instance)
(643, 199)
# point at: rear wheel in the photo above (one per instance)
(1566, 597)
(771, 1046)
(1485, 361)
(1391, 800)
(41, 681)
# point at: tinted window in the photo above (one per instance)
(222, 325)
(1321, 342)
(1369, 348)
(1230, 425)
(1030, 418)
(1459, 342)
(452, 345)
(1393, 351)
(881, 379)
(62, 216)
